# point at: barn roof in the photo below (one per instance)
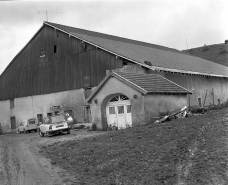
(144, 83)
(148, 55)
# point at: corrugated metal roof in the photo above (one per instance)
(160, 57)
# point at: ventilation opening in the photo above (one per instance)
(55, 48)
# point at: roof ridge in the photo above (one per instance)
(140, 43)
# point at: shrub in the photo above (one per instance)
(94, 126)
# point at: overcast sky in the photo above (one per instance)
(168, 23)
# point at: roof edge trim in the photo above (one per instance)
(187, 72)
(176, 84)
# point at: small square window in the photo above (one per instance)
(56, 112)
(42, 52)
(40, 118)
(49, 114)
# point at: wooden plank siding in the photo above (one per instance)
(29, 74)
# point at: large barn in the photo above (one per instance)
(61, 66)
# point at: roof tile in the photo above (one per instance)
(153, 83)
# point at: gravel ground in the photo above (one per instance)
(22, 164)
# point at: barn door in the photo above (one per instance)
(118, 111)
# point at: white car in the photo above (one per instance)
(54, 125)
(28, 126)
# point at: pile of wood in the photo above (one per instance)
(179, 113)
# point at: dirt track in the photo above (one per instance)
(21, 163)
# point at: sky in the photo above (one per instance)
(178, 24)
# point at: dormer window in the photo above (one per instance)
(42, 52)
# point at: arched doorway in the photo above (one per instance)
(118, 111)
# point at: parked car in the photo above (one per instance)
(28, 126)
(54, 125)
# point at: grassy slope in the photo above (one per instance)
(191, 150)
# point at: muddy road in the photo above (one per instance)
(22, 164)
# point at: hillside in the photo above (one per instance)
(192, 150)
(217, 53)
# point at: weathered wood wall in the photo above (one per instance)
(29, 74)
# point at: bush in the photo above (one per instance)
(94, 126)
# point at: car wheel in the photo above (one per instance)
(25, 131)
(41, 134)
(19, 132)
(68, 132)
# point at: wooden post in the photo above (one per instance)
(205, 98)
(189, 104)
(213, 96)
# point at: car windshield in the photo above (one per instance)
(32, 122)
(56, 119)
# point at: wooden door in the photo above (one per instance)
(13, 122)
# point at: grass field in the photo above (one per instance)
(189, 151)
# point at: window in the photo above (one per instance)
(123, 97)
(120, 109)
(112, 110)
(55, 48)
(116, 98)
(128, 108)
(49, 114)
(119, 98)
(12, 103)
(40, 118)
(56, 112)
(200, 103)
(42, 52)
